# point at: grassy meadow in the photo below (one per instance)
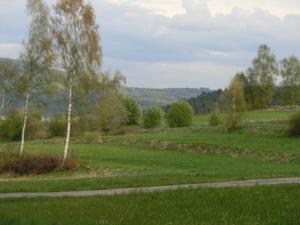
(277, 205)
(261, 148)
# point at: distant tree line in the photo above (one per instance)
(258, 84)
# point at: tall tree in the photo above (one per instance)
(261, 77)
(37, 56)
(236, 103)
(290, 72)
(77, 45)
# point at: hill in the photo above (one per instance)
(162, 97)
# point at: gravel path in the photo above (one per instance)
(246, 183)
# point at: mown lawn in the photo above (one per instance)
(277, 205)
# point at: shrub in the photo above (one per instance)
(294, 128)
(11, 127)
(180, 115)
(133, 111)
(152, 117)
(112, 113)
(35, 165)
(214, 119)
(35, 129)
(232, 122)
(57, 126)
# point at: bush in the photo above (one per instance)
(57, 126)
(35, 129)
(35, 165)
(152, 117)
(180, 115)
(133, 111)
(112, 113)
(294, 128)
(214, 119)
(233, 121)
(11, 127)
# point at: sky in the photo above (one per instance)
(176, 43)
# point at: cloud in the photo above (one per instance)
(156, 41)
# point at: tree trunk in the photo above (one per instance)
(69, 120)
(24, 124)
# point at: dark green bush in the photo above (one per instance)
(11, 126)
(294, 129)
(180, 115)
(133, 111)
(214, 119)
(152, 117)
(57, 126)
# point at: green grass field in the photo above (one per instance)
(260, 149)
(279, 205)
(261, 115)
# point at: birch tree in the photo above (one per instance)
(236, 104)
(261, 77)
(37, 56)
(77, 45)
(290, 72)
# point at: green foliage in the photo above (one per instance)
(180, 115)
(294, 129)
(290, 73)
(11, 126)
(152, 117)
(35, 129)
(112, 113)
(258, 81)
(205, 103)
(57, 126)
(133, 110)
(215, 119)
(236, 104)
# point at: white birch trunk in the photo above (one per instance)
(69, 121)
(24, 124)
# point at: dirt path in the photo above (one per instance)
(246, 183)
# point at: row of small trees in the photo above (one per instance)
(255, 88)
(258, 82)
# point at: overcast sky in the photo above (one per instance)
(177, 43)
